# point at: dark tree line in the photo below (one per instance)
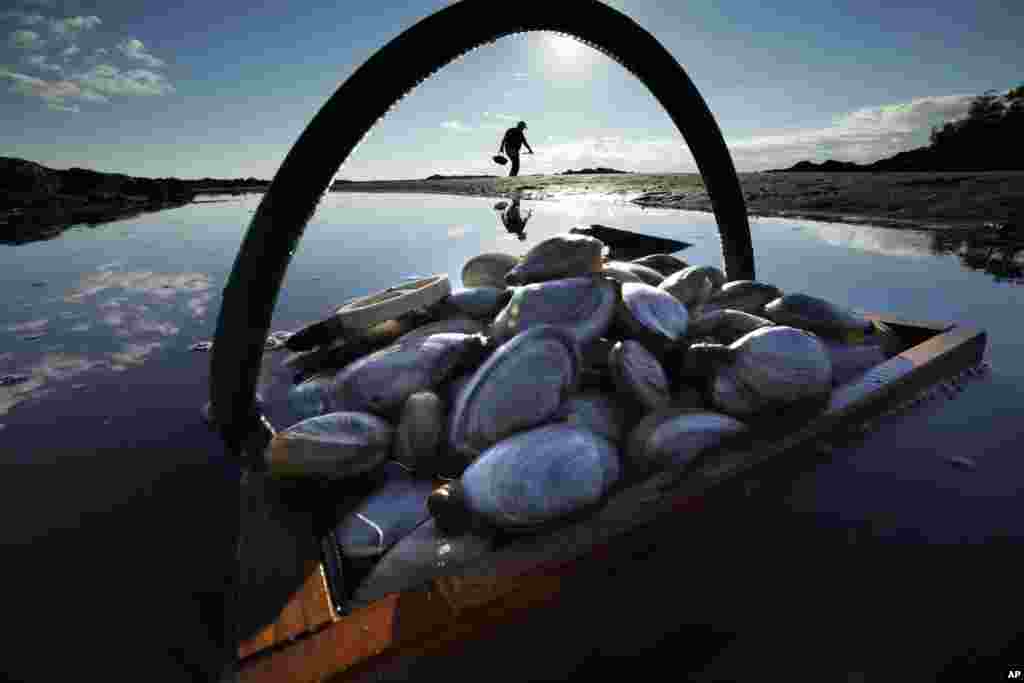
(988, 137)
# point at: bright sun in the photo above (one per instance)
(565, 47)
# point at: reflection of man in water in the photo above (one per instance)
(514, 221)
(510, 144)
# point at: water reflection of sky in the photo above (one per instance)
(123, 302)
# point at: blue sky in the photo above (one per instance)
(224, 88)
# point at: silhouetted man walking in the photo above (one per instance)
(510, 144)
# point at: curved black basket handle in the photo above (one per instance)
(252, 289)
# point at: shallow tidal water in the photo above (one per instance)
(106, 462)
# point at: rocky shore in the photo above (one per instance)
(37, 202)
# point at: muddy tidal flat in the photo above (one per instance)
(922, 201)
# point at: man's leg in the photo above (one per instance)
(515, 164)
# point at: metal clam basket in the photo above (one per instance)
(937, 350)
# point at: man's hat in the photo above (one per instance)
(522, 124)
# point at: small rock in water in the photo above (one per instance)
(38, 284)
(201, 346)
(10, 380)
(32, 337)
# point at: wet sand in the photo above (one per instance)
(923, 201)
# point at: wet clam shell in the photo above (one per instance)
(714, 274)
(539, 476)
(616, 270)
(599, 412)
(770, 368)
(477, 302)
(391, 512)
(639, 375)
(381, 382)
(817, 315)
(667, 439)
(666, 264)
(651, 315)
(488, 270)
(519, 387)
(425, 554)
(457, 325)
(420, 431)
(748, 296)
(311, 397)
(558, 257)
(333, 446)
(725, 325)
(584, 306)
(690, 286)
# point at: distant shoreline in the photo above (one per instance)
(908, 200)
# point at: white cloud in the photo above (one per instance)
(54, 93)
(70, 51)
(39, 61)
(23, 18)
(25, 40)
(134, 48)
(109, 80)
(71, 26)
(862, 136)
(456, 126)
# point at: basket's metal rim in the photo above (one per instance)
(374, 88)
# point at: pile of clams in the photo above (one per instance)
(543, 384)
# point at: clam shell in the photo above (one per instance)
(541, 475)
(427, 553)
(456, 325)
(771, 367)
(748, 296)
(487, 270)
(599, 412)
(648, 275)
(381, 382)
(691, 286)
(562, 256)
(639, 375)
(477, 302)
(666, 264)
(817, 315)
(726, 325)
(311, 397)
(333, 446)
(391, 512)
(716, 276)
(584, 306)
(673, 439)
(616, 270)
(652, 315)
(850, 361)
(420, 431)
(520, 386)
